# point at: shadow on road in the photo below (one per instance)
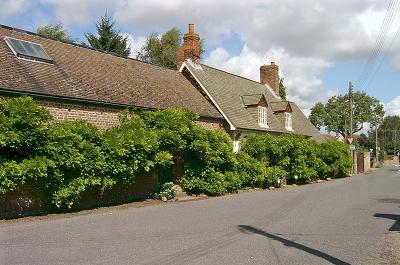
(250, 229)
(389, 200)
(395, 217)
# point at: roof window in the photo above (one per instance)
(28, 50)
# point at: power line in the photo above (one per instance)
(379, 42)
(369, 66)
(384, 56)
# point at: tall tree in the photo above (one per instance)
(108, 38)
(389, 134)
(335, 114)
(55, 32)
(162, 49)
(282, 89)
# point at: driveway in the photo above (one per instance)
(348, 221)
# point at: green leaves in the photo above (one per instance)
(162, 49)
(108, 38)
(55, 32)
(335, 114)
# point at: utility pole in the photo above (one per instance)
(376, 144)
(351, 108)
(353, 153)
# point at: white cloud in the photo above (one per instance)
(136, 44)
(12, 7)
(300, 73)
(77, 12)
(393, 107)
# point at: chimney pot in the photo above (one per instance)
(191, 28)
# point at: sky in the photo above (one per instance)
(320, 45)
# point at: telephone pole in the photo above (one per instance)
(351, 109)
(353, 153)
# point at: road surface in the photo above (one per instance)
(348, 221)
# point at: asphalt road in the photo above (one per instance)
(345, 221)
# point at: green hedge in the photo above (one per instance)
(73, 156)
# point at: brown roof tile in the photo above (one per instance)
(84, 73)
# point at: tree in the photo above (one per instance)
(108, 39)
(282, 89)
(389, 134)
(55, 32)
(162, 49)
(335, 114)
(318, 115)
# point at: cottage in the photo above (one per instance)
(247, 106)
(77, 82)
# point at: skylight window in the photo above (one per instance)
(28, 50)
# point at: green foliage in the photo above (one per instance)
(55, 32)
(208, 158)
(162, 49)
(388, 134)
(166, 191)
(23, 127)
(335, 114)
(131, 150)
(292, 155)
(337, 159)
(108, 39)
(76, 149)
(282, 89)
(72, 157)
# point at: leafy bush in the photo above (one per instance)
(166, 191)
(23, 133)
(337, 158)
(208, 158)
(76, 149)
(74, 156)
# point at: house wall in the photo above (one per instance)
(103, 117)
(30, 198)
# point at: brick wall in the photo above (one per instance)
(208, 124)
(102, 117)
(30, 198)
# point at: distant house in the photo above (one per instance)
(247, 106)
(77, 82)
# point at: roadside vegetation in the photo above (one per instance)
(73, 156)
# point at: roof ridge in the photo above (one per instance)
(81, 45)
(232, 74)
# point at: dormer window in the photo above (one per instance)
(288, 121)
(262, 116)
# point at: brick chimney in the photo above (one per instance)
(190, 48)
(269, 75)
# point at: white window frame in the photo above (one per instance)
(262, 116)
(288, 121)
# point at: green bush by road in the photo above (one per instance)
(73, 156)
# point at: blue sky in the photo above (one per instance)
(318, 51)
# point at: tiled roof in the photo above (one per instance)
(228, 91)
(250, 100)
(84, 73)
(279, 105)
